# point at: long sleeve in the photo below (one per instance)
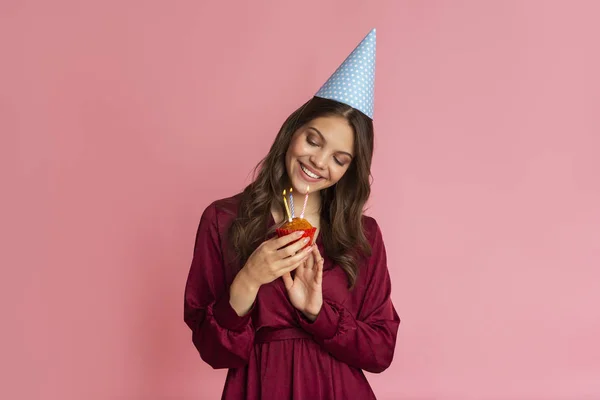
(367, 341)
(223, 339)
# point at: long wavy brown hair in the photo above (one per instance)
(342, 204)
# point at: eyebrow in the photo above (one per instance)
(323, 139)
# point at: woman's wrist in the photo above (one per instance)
(309, 316)
(244, 278)
(242, 293)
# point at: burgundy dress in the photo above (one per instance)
(274, 352)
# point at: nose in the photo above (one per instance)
(318, 160)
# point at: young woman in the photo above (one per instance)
(293, 323)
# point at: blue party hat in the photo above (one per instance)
(353, 83)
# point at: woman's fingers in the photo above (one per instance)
(315, 257)
(280, 242)
(290, 262)
(310, 261)
(292, 249)
(287, 280)
(319, 274)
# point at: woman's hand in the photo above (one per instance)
(269, 261)
(305, 289)
(275, 257)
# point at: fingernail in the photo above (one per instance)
(298, 233)
(305, 240)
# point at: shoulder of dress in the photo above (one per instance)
(371, 228)
(225, 207)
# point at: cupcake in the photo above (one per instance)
(294, 223)
(298, 224)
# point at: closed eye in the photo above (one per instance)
(311, 142)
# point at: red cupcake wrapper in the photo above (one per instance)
(309, 233)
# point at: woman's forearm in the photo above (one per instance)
(242, 293)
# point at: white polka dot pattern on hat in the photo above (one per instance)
(353, 83)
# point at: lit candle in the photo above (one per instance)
(305, 200)
(286, 207)
(292, 203)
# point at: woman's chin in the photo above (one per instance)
(300, 186)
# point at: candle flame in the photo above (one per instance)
(286, 207)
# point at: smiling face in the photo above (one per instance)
(319, 153)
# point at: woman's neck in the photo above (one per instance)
(313, 204)
(312, 211)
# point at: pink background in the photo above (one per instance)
(121, 121)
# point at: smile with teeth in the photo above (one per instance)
(307, 172)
